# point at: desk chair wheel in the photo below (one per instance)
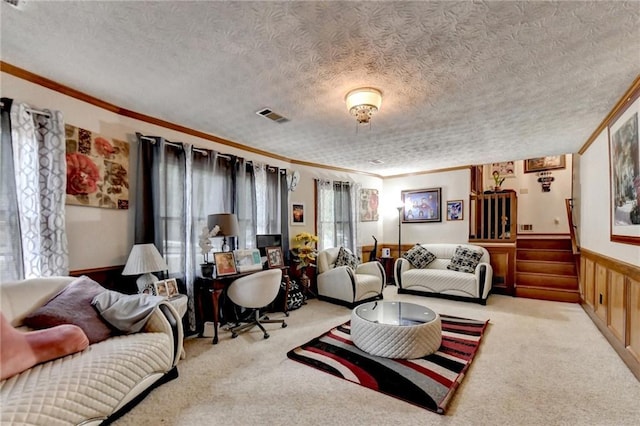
(234, 335)
(266, 335)
(284, 325)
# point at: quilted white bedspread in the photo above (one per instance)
(86, 387)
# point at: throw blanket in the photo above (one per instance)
(126, 312)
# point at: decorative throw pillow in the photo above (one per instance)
(419, 256)
(465, 260)
(346, 258)
(73, 306)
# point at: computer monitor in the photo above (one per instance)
(268, 240)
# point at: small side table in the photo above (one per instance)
(387, 264)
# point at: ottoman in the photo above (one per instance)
(396, 329)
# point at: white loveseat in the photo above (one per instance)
(96, 384)
(436, 280)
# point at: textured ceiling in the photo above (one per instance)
(463, 82)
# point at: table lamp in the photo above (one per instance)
(228, 223)
(144, 259)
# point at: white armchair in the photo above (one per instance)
(346, 286)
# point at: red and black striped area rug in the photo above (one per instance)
(427, 382)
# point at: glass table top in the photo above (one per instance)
(395, 313)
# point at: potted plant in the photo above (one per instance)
(305, 254)
(205, 246)
(497, 179)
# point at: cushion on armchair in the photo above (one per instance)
(465, 260)
(419, 256)
(346, 258)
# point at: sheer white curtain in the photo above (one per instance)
(325, 215)
(245, 204)
(267, 190)
(38, 145)
(354, 215)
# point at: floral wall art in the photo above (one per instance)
(97, 170)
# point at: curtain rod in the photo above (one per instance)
(32, 110)
(225, 156)
(177, 145)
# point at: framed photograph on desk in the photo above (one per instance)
(274, 257)
(225, 263)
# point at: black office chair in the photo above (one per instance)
(255, 291)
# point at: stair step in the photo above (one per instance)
(546, 267)
(550, 281)
(546, 255)
(570, 296)
(544, 243)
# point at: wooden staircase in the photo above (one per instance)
(545, 269)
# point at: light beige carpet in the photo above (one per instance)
(541, 363)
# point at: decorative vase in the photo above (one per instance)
(304, 279)
(497, 189)
(207, 269)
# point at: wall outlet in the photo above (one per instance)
(526, 227)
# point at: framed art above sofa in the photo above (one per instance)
(422, 205)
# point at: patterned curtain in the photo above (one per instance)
(38, 142)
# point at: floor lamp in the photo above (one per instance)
(400, 231)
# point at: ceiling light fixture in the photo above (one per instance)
(363, 103)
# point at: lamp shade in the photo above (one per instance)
(144, 258)
(366, 96)
(228, 223)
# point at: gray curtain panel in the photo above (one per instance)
(11, 250)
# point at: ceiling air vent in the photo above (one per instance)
(267, 113)
(376, 162)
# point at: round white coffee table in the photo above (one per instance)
(396, 329)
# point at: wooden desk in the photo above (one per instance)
(215, 287)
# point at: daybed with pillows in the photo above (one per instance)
(454, 271)
(342, 280)
(63, 363)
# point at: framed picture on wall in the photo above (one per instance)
(506, 169)
(297, 213)
(421, 205)
(454, 209)
(624, 177)
(542, 164)
(369, 205)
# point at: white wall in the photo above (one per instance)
(455, 185)
(594, 227)
(546, 211)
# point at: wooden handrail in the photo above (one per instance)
(572, 227)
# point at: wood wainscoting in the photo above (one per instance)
(610, 295)
(110, 277)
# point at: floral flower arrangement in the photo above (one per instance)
(305, 252)
(205, 243)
